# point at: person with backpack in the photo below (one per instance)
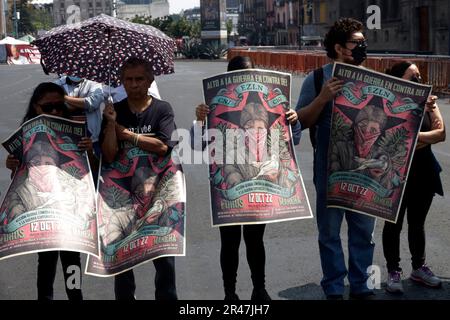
(345, 42)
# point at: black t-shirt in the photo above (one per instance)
(157, 119)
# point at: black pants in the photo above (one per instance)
(47, 263)
(165, 288)
(230, 237)
(417, 206)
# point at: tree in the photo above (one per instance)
(174, 25)
(180, 28)
(229, 27)
(41, 18)
(25, 24)
(196, 29)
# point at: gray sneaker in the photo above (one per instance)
(394, 282)
(424, 276)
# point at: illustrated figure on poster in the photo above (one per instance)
(256, 122)
(366, 146)
(149, 204)
(46, 185)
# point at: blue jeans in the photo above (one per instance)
(360, 244)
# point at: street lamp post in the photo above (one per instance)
(16, 26)
(302, 15)
(260, 34)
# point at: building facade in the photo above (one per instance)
(407, 26)
(420, 26)
(129, 9)
(72, 11)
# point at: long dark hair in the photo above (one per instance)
(38, 93)
(240, 62)
(399, 69)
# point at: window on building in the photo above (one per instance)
(375, 37)
(386, 36)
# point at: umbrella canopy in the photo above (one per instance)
(11, 40)
(96, 48)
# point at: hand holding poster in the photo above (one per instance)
(259, 180)
(50, 204)
(374, 131)
(141, 200)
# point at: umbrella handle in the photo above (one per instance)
(44, 68)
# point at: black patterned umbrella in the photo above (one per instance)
(96, 48)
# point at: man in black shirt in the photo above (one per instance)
(147, 123)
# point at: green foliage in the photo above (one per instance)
(25, 24)
(74, 171)
(214, 51)
(341, 128)
(116, 197)
(192, 49)
(41, 18)
(395, 143)
(229, 27)
(174, 25)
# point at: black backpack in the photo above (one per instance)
(318, 82)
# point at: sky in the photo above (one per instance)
(177, 5)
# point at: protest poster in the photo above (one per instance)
(141, 200)
(50, 203)
(253, 171)
(374, 131)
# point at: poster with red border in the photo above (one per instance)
(50, 203)
(253, 172)
(375, 125)
(141, 200)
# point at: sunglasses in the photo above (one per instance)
(359, 43)
(49, 107)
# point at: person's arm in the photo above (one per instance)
(91, 100)
(437, 132)
(12, 163)
(109, 143)
(198, 127)
(162, 143)
(292, 118)
(146, 143)
(309, 112)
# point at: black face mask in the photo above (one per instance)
(359, 54)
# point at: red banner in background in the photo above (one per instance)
(22, 54)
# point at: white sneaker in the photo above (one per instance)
(425, 276)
